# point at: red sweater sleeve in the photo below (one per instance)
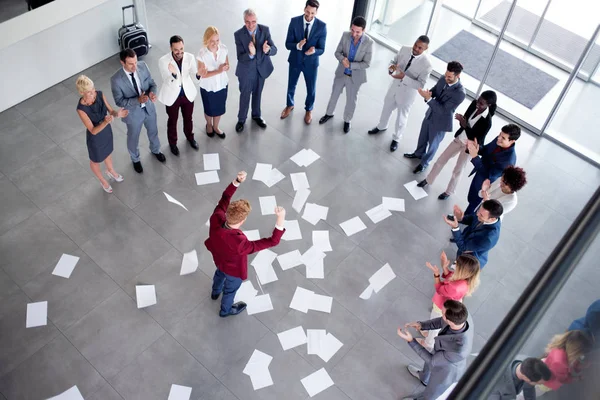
(246, 246)
(218, 216)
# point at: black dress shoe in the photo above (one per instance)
(209, 134)
(221, 135)
(423, 183)
(418, 170)
(239, 127)
(194, 144)
(138, 167)
(411, 155)
(346, 127)
(443, 196)
(174, 149)
(394, 145)
(214, 296)
(375, 131)
(452, 240)
(325, 118)
(260, 122)
(160, 157)
(235, 309)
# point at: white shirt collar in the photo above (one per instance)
(484, 114)
(129, 73)
(452, 84)
(491, 223)
(306, 22)
(415, 57)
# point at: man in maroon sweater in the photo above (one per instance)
(230, 247)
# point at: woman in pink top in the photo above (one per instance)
(456, 285)
(565, 355)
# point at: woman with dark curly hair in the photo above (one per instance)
(505, 188)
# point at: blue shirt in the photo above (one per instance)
(353, 50)
(251, 33)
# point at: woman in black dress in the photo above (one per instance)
(96, 114)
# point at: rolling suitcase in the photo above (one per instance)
(133, 36)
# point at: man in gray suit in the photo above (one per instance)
(521, 376)
(450, 350)
(442, 99)
(354, 52)
(254, 48)
(410, 70)
(132, 87)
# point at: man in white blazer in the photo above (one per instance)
(178, 91)
(410, 70)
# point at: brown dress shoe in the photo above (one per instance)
(308, 117)
(286, 112)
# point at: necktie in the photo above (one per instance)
(306, 31)
(135, 86)
(254, 38)
(409, 62)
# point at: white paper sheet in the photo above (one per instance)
(381, 278)
(320, 303)
(329, 346)
(299, 199)
(299, 181)
(262, 172)
(367, 293)
(189, 263)
(292, 338)
(378, 213)
(353, 226)
(265, 273)
(37, 314)
(321, 240)
(264, 257)
(179, 392)
(274, 177)
(416, 192)
(71, 394)
(257, 361)
(252, 235)
(312, 255)
(315, 270)
(314, 340)
(172, 199)
(267, 205)
(302, 299)
(393, 203)
(145, 295)
(246, 292)
(299, 157)
(313, 213)
(259, 304)
(290, 260)
(65, 266)
(316, 382)
(261, 379)
(211, 162)
(292, 230)
(305, 157)
(204, 178)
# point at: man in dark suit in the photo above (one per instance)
(490, 161)
(306, 42)
(230, 247)
(254, 48)
(521, 376)
(442, 99)
(482, 230)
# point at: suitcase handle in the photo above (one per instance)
(134, 17)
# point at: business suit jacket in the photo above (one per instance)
(261, 63)
(230, 247)
(505, 388)
(443, 104)
(418, 73)
(169, 91)
(125, 95)
(489, 165)
(362, 58)
(316, 38)
(449, 359)
(477, 240)
(480, 129)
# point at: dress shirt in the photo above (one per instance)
(352, 53)
(215, 82)
(471, 121)
(137, 81)
(252, 33)
(310, 26)
(445, 87)
(508, 201)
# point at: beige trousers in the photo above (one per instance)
(454, 147)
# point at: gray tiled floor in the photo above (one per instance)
(96, 338)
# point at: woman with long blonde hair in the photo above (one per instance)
(456, 285)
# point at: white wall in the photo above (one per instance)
(48, 45)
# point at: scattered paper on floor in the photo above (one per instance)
(416, 192)
(37, 314)
(302, 299)
(211, 162)
(378, 213)
(319, 302)
(145, 295)
(315, 270)
(299, 181)
(317, 382)
(252, 235)
(299, 199)
(321, 240)
(328, 347)
(265, 273)
(292, 338)
(267, 205)
(292, 230)
(205, 178)
(172, 199)
(257, 369)
(262, 172)
(274, 177)
(290, 260)
(353, 226)
(313, 213)
(314, 339)
(179, 392)
(246, 292)
(305, 157)
(378, 280)
(312, 255)
(189, 263)
(71, 394)
(393, 203)
(65, 266)
(259, 304)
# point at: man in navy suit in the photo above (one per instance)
(482, 231)
(254, 48)
(490, 161)
(306, 42)
(442, 99)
